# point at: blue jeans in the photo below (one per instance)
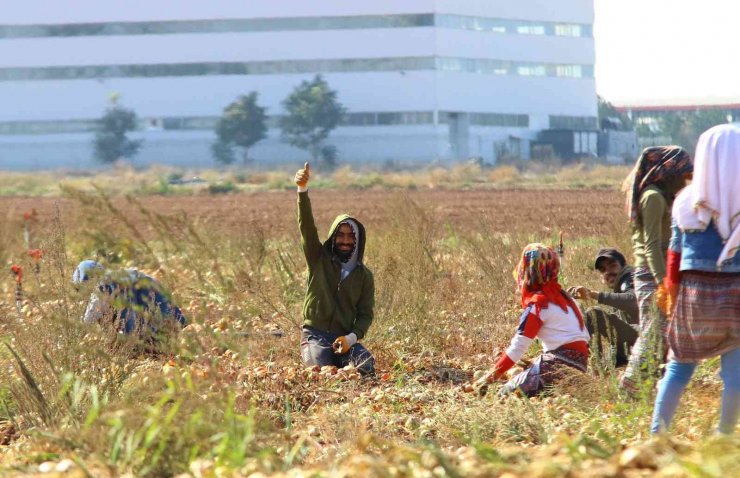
(316, 349)
(676, 379)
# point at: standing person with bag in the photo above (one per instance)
(660, 173)
(703, 278)
(340, 295)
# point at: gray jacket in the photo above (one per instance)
(622, 296)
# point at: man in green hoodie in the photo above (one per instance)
(340, 296)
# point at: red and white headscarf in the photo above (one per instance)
(714, 194)
(537, 277)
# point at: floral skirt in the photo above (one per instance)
(546, 370)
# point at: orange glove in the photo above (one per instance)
(343, 343)
(302, 176)
(665, 298)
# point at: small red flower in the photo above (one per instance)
(18, 271)
(31, 215)
(36, 254)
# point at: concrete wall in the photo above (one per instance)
(356, 145)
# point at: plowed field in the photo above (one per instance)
(586, 212)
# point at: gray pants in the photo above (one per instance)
(316, 350)
(608, 326)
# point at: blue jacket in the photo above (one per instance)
(136, 300)
(699, 250)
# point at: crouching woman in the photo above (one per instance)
(550, 315)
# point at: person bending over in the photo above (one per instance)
(129, 301)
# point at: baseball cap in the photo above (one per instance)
(609, 253)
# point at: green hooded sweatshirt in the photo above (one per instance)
(331, 304)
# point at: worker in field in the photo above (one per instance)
(551, 315)
(701, 288)
(340, 296)
(659, 174)
(616, 317)
(128, 301)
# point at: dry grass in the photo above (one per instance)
(228, 398)
(123, 179)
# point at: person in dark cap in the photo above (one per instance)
(617, 322)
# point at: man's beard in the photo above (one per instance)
(343, 256)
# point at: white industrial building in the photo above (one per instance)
(422, 80)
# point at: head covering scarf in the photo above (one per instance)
(655, 165)
(714, 194)
(350, 264)
(537, 277)
(86, 269)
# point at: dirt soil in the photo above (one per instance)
(535, 211)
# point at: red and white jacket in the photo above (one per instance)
(552, 325)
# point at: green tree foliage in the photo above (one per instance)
(243, 124)
(702, 120)
(685, 127)
(610, 118)
(111, 141)
(312, 112)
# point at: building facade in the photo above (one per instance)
(422, 80)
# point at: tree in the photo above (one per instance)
(702, 120)
(111, 142)
(685, 127)
(312, 112)
(610, 118)
(243, 124)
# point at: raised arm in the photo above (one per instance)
(309, 235)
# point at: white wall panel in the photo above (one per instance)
(206, 95)
(515, 94)
(577, 11)
(527, 48)
(216, 47)
(89, 11)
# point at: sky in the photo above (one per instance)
(662, 50)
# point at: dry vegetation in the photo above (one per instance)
(229, 396)
(159, 180)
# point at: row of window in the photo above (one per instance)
(520, 27)
(503, 67)
(489, 119)
(209, 122)
(573, 122)
(468, 65)
(462, 22)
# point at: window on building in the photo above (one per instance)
(531, 70)
(568, 30)
(569, 71)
